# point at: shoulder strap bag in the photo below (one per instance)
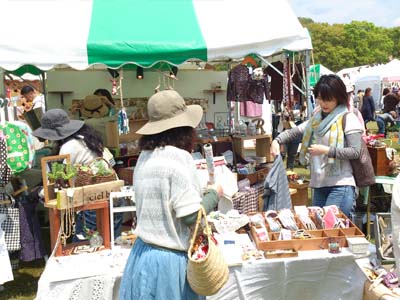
(363, 171)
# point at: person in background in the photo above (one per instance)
(390, 103)
(385, 92)
(32, 106)
(384, 119)
(368, 106)
(168, 196)
(83, 144)
(358, 99)
(107, 94)
(328, 146)
(352, 108)
(36, 100)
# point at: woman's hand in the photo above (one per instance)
(318, 149)
(275, 148)
(218, 188)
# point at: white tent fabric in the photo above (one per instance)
(84, 33)
(375, 77)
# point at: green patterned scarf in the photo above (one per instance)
(319, 127)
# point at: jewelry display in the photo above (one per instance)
(68, 218)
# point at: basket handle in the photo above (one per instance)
(105, 160)
(207, 231)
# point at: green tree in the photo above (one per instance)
(340, 46)
(371, 44)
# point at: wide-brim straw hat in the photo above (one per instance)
(167, 110)
(94, 106)
(55, 125)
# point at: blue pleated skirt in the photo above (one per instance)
(155, 273)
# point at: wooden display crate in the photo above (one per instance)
(319, 238)
(380, 162)
(113, 139)
(86, 194)
(301, 196)
(257, 176)
(263, 143)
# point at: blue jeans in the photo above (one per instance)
(90, 220)
(343, 196)
(381, 125)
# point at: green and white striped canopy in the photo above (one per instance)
(80, 33)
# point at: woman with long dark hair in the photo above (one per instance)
(168, 196)
(83, 144)
(327, 146)
(368, 106)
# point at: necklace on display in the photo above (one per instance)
(68, 218)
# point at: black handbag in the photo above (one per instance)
(363, 170)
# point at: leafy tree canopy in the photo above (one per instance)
(341, 46)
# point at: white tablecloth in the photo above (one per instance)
(314, 275)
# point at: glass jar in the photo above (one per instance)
(96, 240)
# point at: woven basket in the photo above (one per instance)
(83, 178)
(208, 275)
(99, 178)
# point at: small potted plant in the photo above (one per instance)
(60, 175)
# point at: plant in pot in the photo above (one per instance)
(60, 175)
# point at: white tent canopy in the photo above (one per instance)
(113, 33)
(377, 76)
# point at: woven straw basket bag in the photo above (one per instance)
(208, 275)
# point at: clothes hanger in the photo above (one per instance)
(249, 61)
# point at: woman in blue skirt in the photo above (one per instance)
(168, 196)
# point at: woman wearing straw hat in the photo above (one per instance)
(83, 143)
(168, 197)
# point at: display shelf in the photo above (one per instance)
(122, 209)
(263, 143)
(319, 238)
(113, 139)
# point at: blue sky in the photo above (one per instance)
(384, 13)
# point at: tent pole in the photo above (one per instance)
(309, 104)
(279, 72)
(43, 75)
(2, 85)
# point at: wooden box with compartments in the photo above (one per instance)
(305, 239)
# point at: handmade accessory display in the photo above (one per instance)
(123, 120)
(306, 230)
(208, 273)
(68, 218)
